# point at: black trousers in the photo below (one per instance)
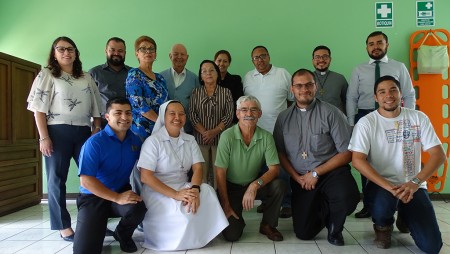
(272, 193)
(333, 199)
(93, 214)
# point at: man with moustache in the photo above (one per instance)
(241, 152)
(332, 86)
(312, 138)
(106, 161)
(270, 85)
(180, 81)
(110, 77)
(387, 145)
(360, 99)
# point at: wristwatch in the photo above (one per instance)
(416, 180)
(314, 174)
(260, 182)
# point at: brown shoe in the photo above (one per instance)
(271, 232)
(383, 236)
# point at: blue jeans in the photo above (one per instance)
(418, 214)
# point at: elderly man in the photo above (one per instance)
(332, 86)
(312, 138)
(387, 146)
(110, 77)
(241, 152)
(360, 91)
(180, 81)
(106, 161)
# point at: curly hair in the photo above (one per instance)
(53, 64)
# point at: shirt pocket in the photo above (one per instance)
(321, 143)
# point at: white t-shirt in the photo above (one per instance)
(273, 90)
(393, 145)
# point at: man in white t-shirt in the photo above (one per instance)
(386, 146)
(271, 85)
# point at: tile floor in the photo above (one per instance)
(27, 231)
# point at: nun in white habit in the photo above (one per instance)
(181, 215)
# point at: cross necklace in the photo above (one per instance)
(321, 84)
(175, 140)
(303, 114)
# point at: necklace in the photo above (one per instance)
(175, 140)
(303, 114)
(321, 84)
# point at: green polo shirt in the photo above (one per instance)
(243, 162)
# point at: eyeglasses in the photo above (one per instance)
(308, 85)
(207, 71)
(252, 110)
(260, 57)
(324, 57)
(62, 49)
(118, 51)
(147, 50)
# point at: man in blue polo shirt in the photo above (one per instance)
(105, 164)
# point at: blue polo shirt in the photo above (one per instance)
(108, 159)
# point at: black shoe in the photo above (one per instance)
(336, 239)
(68, 238)
(364, 213)
(109, 232)
(260, 208)
(286, 212)
(401, 225)
(126, 245)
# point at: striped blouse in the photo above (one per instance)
(210, 110)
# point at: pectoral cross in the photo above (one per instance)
(304, 155)
(321, 91)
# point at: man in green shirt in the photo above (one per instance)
(241, 152)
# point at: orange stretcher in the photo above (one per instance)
(432, 92)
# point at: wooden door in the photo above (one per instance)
(20, 158)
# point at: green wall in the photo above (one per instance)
(289, 29)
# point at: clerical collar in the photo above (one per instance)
(309, 107)
(322, 73)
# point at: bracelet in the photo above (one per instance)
(196, 187)
(44, 138)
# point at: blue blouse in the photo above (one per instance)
(144, 94)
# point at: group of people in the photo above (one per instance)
(287, 140)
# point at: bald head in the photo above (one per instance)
(178, 55)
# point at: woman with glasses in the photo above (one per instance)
(211, 112)
(233, 82)
(63, 99)
(145, 89)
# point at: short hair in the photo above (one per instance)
(142, 39)
(376, 33)
(247, 98)
(222, 51)
(301, 72)
(219, 77)
(321, 47)
(386, 78)
(116, 39)
(259, 47)
(116, 100)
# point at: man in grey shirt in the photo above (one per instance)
(110, 77)
(360, 100)
(312, 137)
(332, 86)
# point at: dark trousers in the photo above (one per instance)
(93, 214)
(333, 199)
(361, 113)
(418, 214)
(272, 193)
(67, 142)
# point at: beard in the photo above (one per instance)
(115, 60)
(322, 69)
(378, 57)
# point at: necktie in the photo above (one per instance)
(377, 76)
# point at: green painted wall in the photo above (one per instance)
(290, 30)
